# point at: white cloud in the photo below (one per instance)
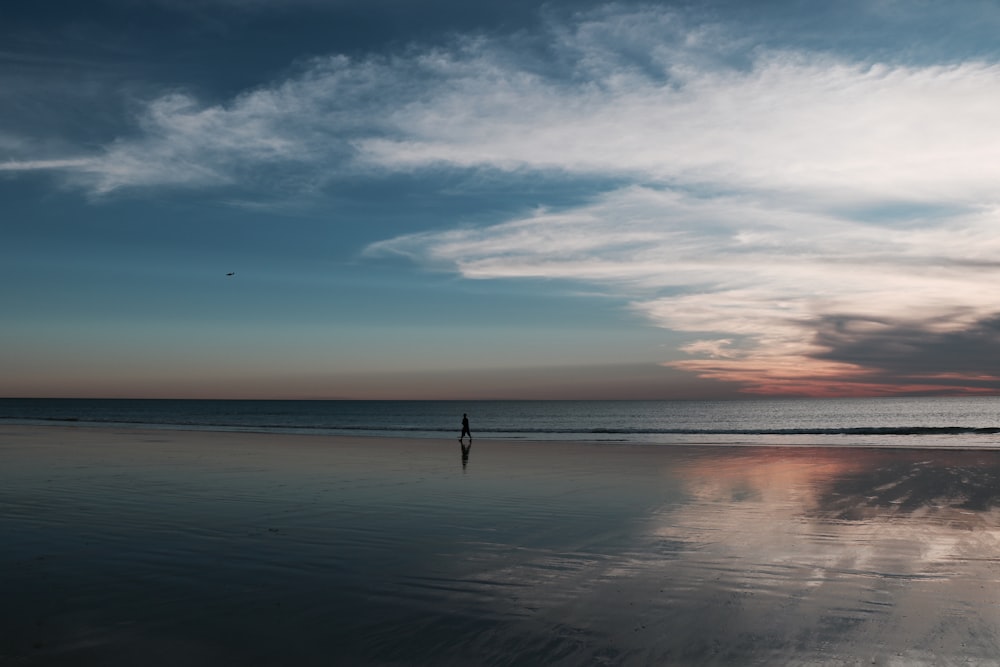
(761, 276)
(625, 93)
(36, 165)
(792, 124)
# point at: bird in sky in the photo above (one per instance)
(231, 273)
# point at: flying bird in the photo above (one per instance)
(231, 273)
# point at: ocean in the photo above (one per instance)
(950, 422)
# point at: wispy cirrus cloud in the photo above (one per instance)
(629, 93)
(33, 165)
(791, 125)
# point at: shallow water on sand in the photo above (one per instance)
(126, 547)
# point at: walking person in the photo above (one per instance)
(465, 428)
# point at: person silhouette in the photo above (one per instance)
(465, 428)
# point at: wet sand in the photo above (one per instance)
(126, 547)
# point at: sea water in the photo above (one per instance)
(955, 422)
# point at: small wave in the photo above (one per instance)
(853, 430)
(529, 431)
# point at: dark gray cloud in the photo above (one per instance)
(940, 350)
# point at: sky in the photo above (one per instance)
(518, 199)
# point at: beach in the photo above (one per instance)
(125, 546)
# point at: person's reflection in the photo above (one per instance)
(466, 448)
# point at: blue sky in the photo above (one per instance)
(498, 200)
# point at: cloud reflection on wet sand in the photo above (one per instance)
(794, 556)
(209, 549)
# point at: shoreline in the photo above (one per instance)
(910, 423)
(334, 438)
